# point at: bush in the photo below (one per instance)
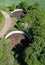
(6, 55)
(34, 54)
(12, 7)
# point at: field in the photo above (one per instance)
(10, 2)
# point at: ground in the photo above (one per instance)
(7, 25)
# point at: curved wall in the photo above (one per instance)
(14, 32)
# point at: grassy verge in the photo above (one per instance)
(1, 20)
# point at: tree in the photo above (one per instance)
(6, 55)
(35, 52)
(22, 5)
(34, 6)
(12, 7)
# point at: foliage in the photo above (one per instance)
(34, 54)
(12, 7)
(33, 16)
(1, 20)
(6, 55)
(22, 5)
(1, 17)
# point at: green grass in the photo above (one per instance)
(1, 20)
(1, 17)
(43, 12)
(10, 2)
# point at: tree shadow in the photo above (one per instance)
(19, 49)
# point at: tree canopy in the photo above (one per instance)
(34, 53)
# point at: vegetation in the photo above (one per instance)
(34, 54)
(30, 2)
(33, 23)
(22, 5)
(6, 55)
(1, 0)
(12, 7)
(1, 20)
(1, 17)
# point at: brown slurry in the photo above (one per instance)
(17, 38)
(18, 14)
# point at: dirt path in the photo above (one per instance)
(8, 24)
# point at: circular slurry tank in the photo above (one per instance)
(17, 13)
(17, 37)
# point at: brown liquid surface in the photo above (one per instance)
(17, 38)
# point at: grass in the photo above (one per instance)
(43, 12)
(4, 8)
(1, 16)
(1, 20)
(16, 2)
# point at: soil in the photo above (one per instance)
(7, 25)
